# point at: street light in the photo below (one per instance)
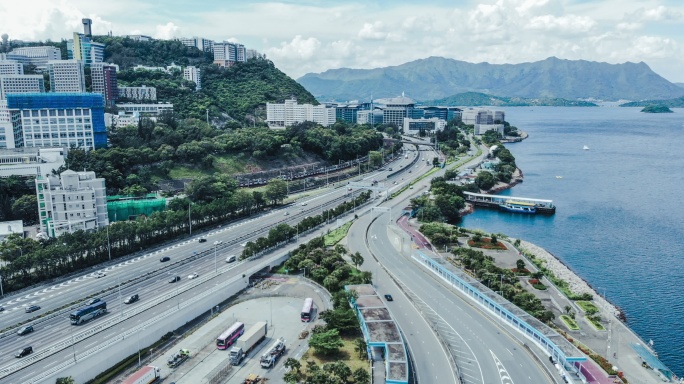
(109, 247)
(73, 341)
(138, 339)
(189, 217)
(216, 243)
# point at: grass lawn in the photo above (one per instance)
(338, 234)
(597, 325)
(570, 323)
(586, 305)
(347, 355)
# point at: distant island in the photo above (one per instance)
(671, 103)
(656, 109)
(471, 99)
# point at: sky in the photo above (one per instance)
(314, 36)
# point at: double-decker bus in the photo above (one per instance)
(84, 314)
(307, 310)
(228, 337)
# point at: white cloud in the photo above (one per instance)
(371, 31)
(571, 24)
(166, 31)
(298, 49)
(659, 13)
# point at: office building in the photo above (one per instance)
(103, 80)
(484, 120)
(191, 73)
(58, 120)
(146, 109)
(200, 43)
(83, 48)
(37, 56)
(444, 113)
(20, 84)
(288, 113)
(138, 93)
(11, 67)
(395, 109)
(30, 162)
(66, 76)
(227, 54)
(349, 111)
(71, 202)
(415, 126)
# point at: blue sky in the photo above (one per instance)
(313, 36)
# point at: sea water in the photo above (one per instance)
(619, 222)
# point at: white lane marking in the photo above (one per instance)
(503, 373)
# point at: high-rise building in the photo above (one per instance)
(191, 73)
(83, 48)
(200, 43)
(71, 202)
(87, 27)
(104, 82)
(66, 76)
(21, 84)
(138, 93)
(11, 67)
(58, 119)
(6, 128)
(227, 53)
(395, 109)
(37, 56)
(288, 113)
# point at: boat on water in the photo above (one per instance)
(585, 148)
(518, 207)
(559, 177)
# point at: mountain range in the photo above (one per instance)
(438, 77)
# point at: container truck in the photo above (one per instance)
(247, 341)
(270, 357)
(146, 375)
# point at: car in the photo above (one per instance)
(395, 183)
(100, 274)
(2, 309)
(230, 259)
(131, 299)
(411, 187)
(202, 240)
(93, 300)
(25, 330)
(390, 169)
(303, 204)
(409, 171)
(193, 276)
(287, 213)
(389, 298)
(32, 308)
(165, 259)
(174, 279)
(24, 352)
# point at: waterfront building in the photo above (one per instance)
(103, 76)
(30, 162)
(71, 202)
(414, 126)
(192, 73)
(83, 48)
(484, 120)
(200, 43)
(11, 67)
(146, 109)
(58, 119)
(66, 76)
(20, 84)
(37, 56)
(227, 53)
(444, 113)
(138, 93)
(288, 113)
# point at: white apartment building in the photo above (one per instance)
(227, 53)
(11, 67)
(191, 73)
(6, 127)
(138, 93)
(71, 202)
(484, 120)
(123, 119)
(416, 125)
(200, 43)
(20, 84)
(30, 162)
(166, 69)
(140, 37)
(288, 113)
(146, 109)
(38, 56)
(66, 76)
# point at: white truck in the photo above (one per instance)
(247, 341)
(146, 375)
(270, 357)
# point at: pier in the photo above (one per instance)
(544, 207)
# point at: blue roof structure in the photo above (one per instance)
(651, 360)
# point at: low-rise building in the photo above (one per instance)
(140, 37)
(123, 119)
(11, 67)
(150, 109)
(37, 56)
(288, 113)
(71, 202)
(414, 126)
(200, 43)
(192, 73)
(30, 162)
(138, 93)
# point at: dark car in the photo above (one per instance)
(24, 352)
(25, 330)
(32, 308)
(131, 299)
(164, 259)
(2, 309)
(202, 240)
(389, 298)
(174, 279)
(93, 301)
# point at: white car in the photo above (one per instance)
(193, 276)
(100, 274)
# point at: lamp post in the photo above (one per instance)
(189, 217)
(73, 342)
(138, 339)
(2, 293)
(216, 243)
(109, 247)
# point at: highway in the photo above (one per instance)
(146, 276)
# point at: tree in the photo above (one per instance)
(65, 380)
(342, 319)
(520, 265)
(24, 208)
(357, 259)
(361, 376)
(293, 364)
(375, 159)
(493, 240)
(326, 343)
(485, 180)
(276, 190)
(361, 348)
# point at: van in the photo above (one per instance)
(230, 259)
(24, 352)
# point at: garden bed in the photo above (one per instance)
(587, 306)
(486, 243)
(570, 323)
(537, 284)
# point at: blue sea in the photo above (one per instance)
(619, 222)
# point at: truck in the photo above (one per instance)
(146, 375)
(270, 357)
(247, 341)
(178, 358)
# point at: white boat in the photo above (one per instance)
(585, 148)
(559, 177)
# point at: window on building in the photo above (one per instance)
(44, 113)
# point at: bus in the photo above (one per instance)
(228, 337)
(84, 314)
(307, 310)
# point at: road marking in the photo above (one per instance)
(503, 373)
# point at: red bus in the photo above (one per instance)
(228, 337)
(307, 310)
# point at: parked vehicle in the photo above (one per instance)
(178, 358)
(32, 308)
(145, 375)
(24, 352)
(245, 343)
(270, 357)
(131, 299)
(25, 330)
(228, 337)
(165, 259)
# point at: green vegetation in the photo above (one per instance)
(486, 243)
(586, 306)
(480, 99)
(570, 322)
(561, 284)
(18, 200)
(596, 323)
(656, 109)
(337, 234)
(671, 103)
(440, 234)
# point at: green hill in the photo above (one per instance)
(670, 103)
(656, 109)
(468, 99)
